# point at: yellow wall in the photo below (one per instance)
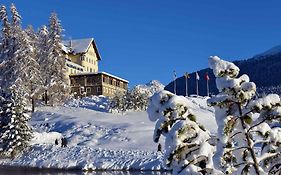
(89, 60)
(75, 58)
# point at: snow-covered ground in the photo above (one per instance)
(98, 139)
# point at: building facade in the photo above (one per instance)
(86, 84)
(81, 63)
(81, 56)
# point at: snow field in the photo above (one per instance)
(98, 140)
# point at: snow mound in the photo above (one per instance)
(45, 137)
(97, 103)
(87, 158)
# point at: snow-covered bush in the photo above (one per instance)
(245, 123)
(118, 102)
(187, 150)
(135, 99)
(139, 99)
(14, 130)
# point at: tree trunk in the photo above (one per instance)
(46, 97)
(252, 152)
(33, 104)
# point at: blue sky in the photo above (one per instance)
(141, 40)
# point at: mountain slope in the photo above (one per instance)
(264, 70)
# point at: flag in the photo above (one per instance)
(207, 76)
(197, 76)
(186, 75)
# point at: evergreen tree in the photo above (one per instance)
(187, 150)
(6, 36)
(56, 82)
(43, 58)
(14, 130)
(239, 132)
(32, 67)
(21, 68)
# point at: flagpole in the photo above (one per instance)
(186, 84)
(197, 90)
(207, 87)
(207, 82)
(175, 84)
(197, 87)
(186, 89)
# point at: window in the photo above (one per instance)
(82, 90)
(111, 81)
(125, 86)
(82, 57)
(90, 69)
(98, 89)
(88, 90)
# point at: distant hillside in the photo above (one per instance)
(263, 69)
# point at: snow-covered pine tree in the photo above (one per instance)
(43, 58)
(6, 36)
(56, 82)
(15, 133)
(245, 122)
(21, 68)
(187, 150)
(32, 67)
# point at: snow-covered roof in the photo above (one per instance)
(73, 64)
(79, 46)
(104, 73)
(108, 74)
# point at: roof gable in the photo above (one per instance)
(79, 46)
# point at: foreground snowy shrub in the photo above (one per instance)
(14, 130)
(187, 150)
(245, 123)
